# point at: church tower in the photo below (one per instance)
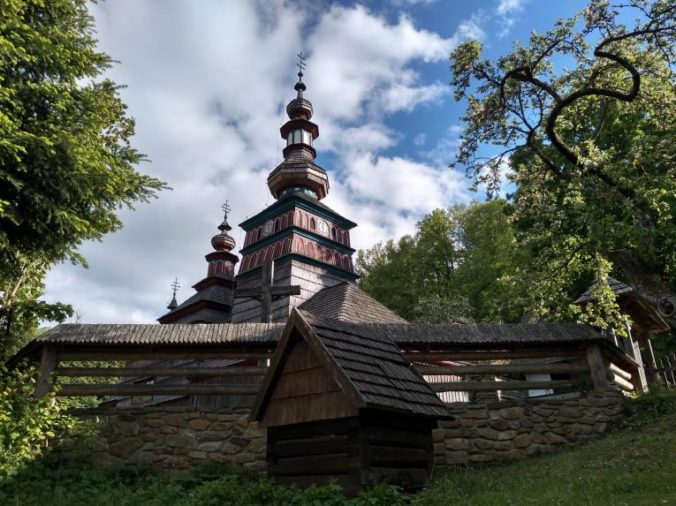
(213, 301)
(307, 241)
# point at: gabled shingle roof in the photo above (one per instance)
(346, 302)
(376, 368)
(370, 367)
(616, 286)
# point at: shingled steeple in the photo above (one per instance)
(213, 301)
(308, 242)
(299, 173)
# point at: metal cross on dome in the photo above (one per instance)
(175, 285)
(301, 64)
(226, 208)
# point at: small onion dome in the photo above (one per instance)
(299, 108)
(222, 242)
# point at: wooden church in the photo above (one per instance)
(347, 407)
(337, 396)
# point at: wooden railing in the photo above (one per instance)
(666, 370)
(492, 370)
(56, 364)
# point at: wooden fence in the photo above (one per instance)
(56, 364)
(548, 371)
(666, 370)
(455, 374)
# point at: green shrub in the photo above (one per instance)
(648, 407)
(26, 422)
(48, 482)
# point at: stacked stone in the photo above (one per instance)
(174, 438)
(501, 431)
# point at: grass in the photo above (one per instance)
(635, 465)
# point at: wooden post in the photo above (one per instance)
(48, 362)
(671, 372)
(266, 294)
(597, 368)
(662, 372)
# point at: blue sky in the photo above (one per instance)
(207, 83)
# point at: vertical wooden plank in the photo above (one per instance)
(48, 362)
(266, 294)
(670, 368)
(662, 371)
(597, 368)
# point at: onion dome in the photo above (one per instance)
(298, 171)
(223, 241)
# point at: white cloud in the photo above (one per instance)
(207, 87)
(506, 7)
(508, 10)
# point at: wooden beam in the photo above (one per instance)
(621, 382)
(488, 386)
(463, 370)
(503, 354)
(275, 291)
(619, 371)
(597, 368)
(159, 371)
(133, 353)
(48, 362)
(70, 390)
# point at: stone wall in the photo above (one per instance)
(182, 438)
(171, 438)
(500, 431)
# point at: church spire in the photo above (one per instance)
(221, 260)
(224, 241)
(299, 173)
(175, 286)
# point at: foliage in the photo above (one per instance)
(66, 163)
(648, 407)
(634, 465)
(26, 423)
(74, 485)
(462, 264)
(584, 114)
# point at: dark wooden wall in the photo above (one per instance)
(305, 391)
(356, 452)
(316, 453)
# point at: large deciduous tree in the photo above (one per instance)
(462, 264)
(584, 114)
(66, 162)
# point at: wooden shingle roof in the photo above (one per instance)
(453, 334)
(347, 302)
(174, 334)
(267, 334)
(370, 368)
(616, 286)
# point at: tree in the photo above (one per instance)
(66, 163)
(584, 114)
(461, 265)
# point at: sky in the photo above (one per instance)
(207, 82)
